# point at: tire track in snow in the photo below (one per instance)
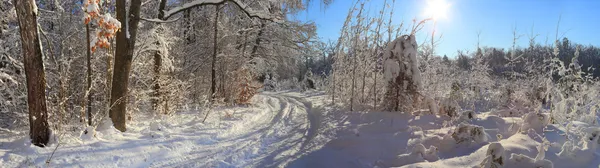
(294, 148)
(276, 131)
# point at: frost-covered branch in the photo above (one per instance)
(159, 20)
(243, 6)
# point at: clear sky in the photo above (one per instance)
(495, 19)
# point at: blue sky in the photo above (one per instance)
(496, 19)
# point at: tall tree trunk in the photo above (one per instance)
(88, 91)
(158, 62)
(376, 55)
(123, 56)
(355, 56)
(213, 83)
(34, 72)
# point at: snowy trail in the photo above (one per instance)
(272, 132)
(273, 137)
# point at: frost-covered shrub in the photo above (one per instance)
(418, 154)
(494, 156)
(573, 93)
(536, 121)
(466, 115)
(468, 133)
(270, 83)
(288, 84)
(401, 70)
(583, 151)
(449, 108)
(520, 160)
(593, 133)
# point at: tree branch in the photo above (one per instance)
(159, 20)
(244, 7)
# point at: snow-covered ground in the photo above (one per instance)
(292, 129)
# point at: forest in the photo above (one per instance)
(246, 83)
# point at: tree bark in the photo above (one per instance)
(89, 77)
(123, 57)
(34, 72)
(213, 83)
(158, 62)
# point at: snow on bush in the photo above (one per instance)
(155, 130)
(107, 130)
(432, 105)
(418, 154)
(88, 133)
(401, 71)
(449, 108)
(391, 69)
(524, 161)
(494, 156)
(465, 116)
(585, 150)
(535, 121)
(467, 133)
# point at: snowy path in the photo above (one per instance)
(271, 133)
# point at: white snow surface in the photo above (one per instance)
(291, 129)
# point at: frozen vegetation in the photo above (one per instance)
(229, 83)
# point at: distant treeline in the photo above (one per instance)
(534, 58)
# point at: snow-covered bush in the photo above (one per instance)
(468, 133)
(520, 160)
(401, 70)
(466, 116)
(583, 151)
(574, 95)
(418, 154)
(536, 121)
(449, 108)
(270, 83)
(494, 156)
(88, 133)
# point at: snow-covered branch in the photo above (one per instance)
(159, 20)
(242, 5)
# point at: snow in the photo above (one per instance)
(392, 68)
(291, 129)
(271, 133)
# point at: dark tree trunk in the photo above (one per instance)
(34, 72)
(213, 83)
(123, 56)
(88, 91)
(158, 62)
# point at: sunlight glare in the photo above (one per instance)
(437, 9)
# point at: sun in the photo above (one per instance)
(437, 9)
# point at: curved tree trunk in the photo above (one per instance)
(34, 72)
